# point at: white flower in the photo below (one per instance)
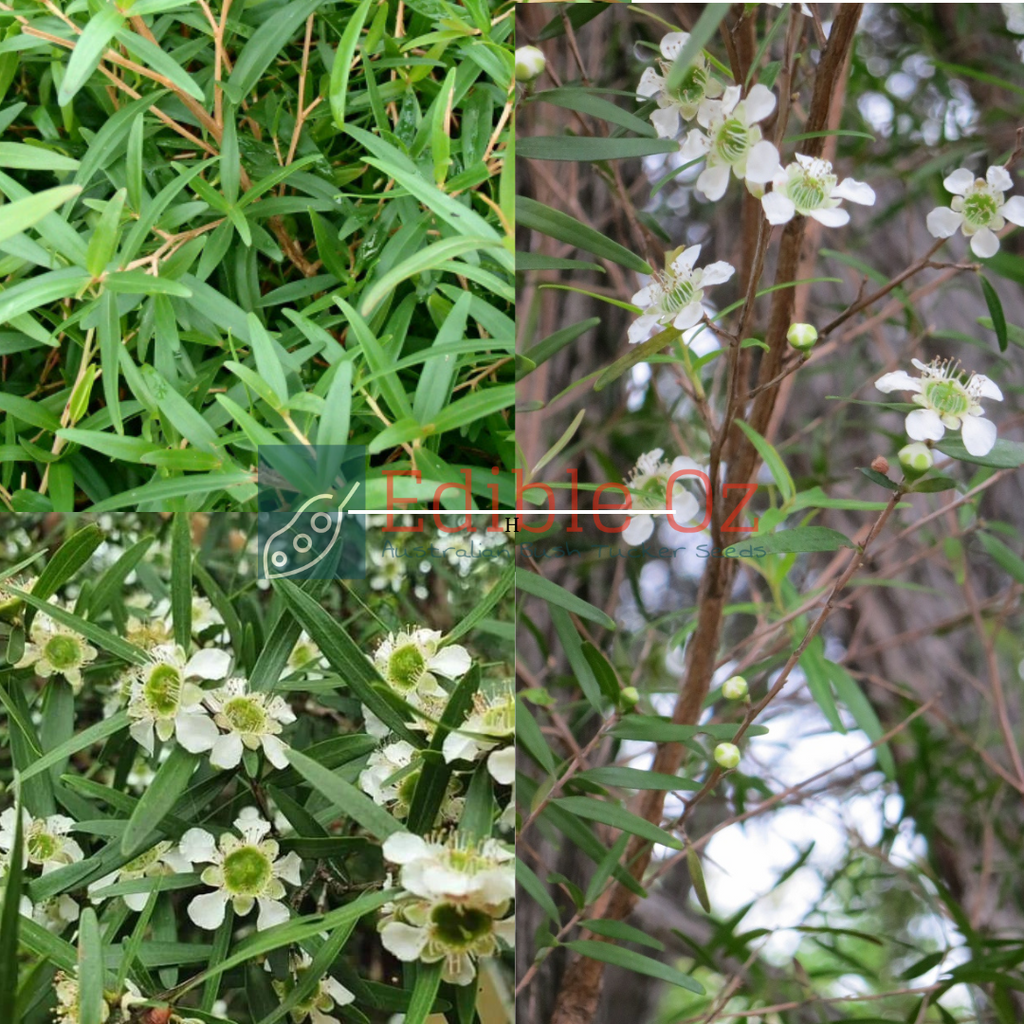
(809, 187)
(733, 140)
(684, 101)
(674, 298)
(149, 633)
(380, 779)
(946, 400)
(68, 1010)
(204, 615)
(248, 720)
(490, 724)
(326, 994)
(648, 482)
(410, 660)
(56, 649)
(457, 894)
(162, 859)
(163, 700)
(454, 868)
(45, 841)
(389, 571)
(244, 870)
(306, 657)
(979, 209)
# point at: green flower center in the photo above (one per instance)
(42, 847)
(732, 141)
(406, 667)
(247, 871)
(460, 927)
(162, 691)
(651, 493)
(500, 720)
(246, 715)
(980, 208)
(680, 295)
(691, 88)
(63, 652)
(947, 397)
(808, 193)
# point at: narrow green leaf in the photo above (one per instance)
(697, 878)
(153, 56)
(10, 915)
(802, 538)
(617, 817)
(109, 331)
(267, 360)
(771, 459)
(635, 778)
(585, 148)
(92, 1007)
(89, 49)
(622, 931)
(537, 217)
(23, 214)
(230, 167)
(67, 560)
(334, 423)
(632, 961)
(543, 588)
(536, 890)
(346, 797)
(104, 237)
(707, 25)
(424, 992)
(343, 56)
(483, 608)
(86, 738)
(995, 309)
(849, 692)
(137, 282)
(264, 45)
(606, 866)
(181, 575)
(1003, 455)
(171, 780)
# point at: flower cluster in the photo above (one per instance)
(648, 483)
(455, 902)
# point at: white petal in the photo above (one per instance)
(136, 901)
(403, 940)
(142, 733)
(666, 122)
(899, 380)
(999, 178)
(506, 931)
(374, 726)
(650, 84)
(694, 146)
(289, 867)
(209, 663)
(979, 434)
(924, 425)
(855, 191)
(673, 43)
(271, 913)
(337, 991)
(451, 662)
(226, 751)
(777, 208)
(404, 847)
(458, 747)
(686, 260)
(176, 861)
(502, 765)
(638, 530)
(943, 222)
(984, 243)
(717, 273)
(638, 332)
(645, 296)
(762, 163)
(987, 388)
(688, 316)
(959, 181)
(713, 181)
(198, 846)
(730, 98)
(195, 731)
(684, 507)
(831, 218)
(760, 102)
(1013, 210)
(276, 751)
(207, 911)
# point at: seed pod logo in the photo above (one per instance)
(317, 530)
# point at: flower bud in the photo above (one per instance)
(530, 63)
(629, 696)
(727, 755)
(735, 688)
(802, 336)
(916, 459)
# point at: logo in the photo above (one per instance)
(311, 520)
